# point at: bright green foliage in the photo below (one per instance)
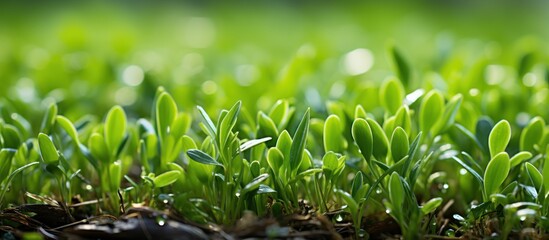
(47, 149)
(381, 143)
(400, 64)
(391, 95)
(49, 118)
(166, 178)
(115, 129)
(496, 172)
(532, 134)
(499, 137)
(534, 175)
(431, 110)
(545, 172)
(418, 145)
(449, 116)
(362, 134)
(69, 128)
(298, 142)
(333, 139)
(399, 144)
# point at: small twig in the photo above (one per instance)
(87, 220)
(446, 221)
(122, 208)
(90, 202)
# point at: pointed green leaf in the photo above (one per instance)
(280, 113)
(469, 169)
(298, 142)
(166, 178)
(69, 128)
(252, 143)
(381, 143)
(362, 134)
(496, 172)
(358, 182)
(265, 189)
(431, 205)
(348, 199)
(402, 66)
(535, 176)
(47, 149)
(499, 137)
(210, 126)
(49, 118)
(399, 144)
(449, 115)
(115, 129)
(254, 184)
(360, 112)
(267, 127)
(202, 157)
(333, 134)
(228, 123)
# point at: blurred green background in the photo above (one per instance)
(90, 56)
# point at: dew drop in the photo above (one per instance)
(379, 191)
(361, 233)
(161, 222)
(339, 218)
(388, 211)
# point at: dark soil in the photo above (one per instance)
(53, 222)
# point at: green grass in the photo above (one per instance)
(439, 131)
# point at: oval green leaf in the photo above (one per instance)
(496, 172)
(399, 144)
(166, 112)
(362, 134)
(391, 95)
(532, 134)
(499, 137)
(47, 149)
(396, 190)
(380, 141)
(166, 178)
(431, 205)
(115, 129)
(430, 111)
(332, 134)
